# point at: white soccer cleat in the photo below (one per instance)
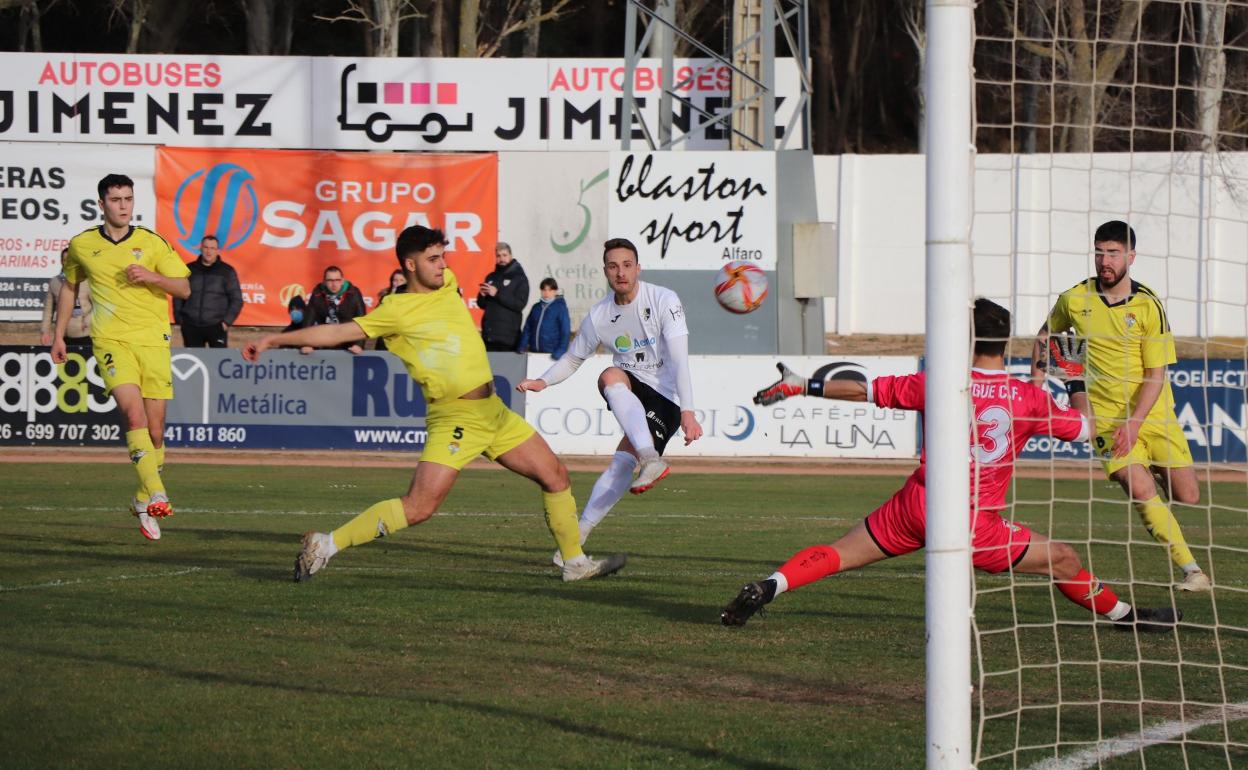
(557, 558)
(653, 469)
(592, 568)
(1196, 582)
(147, 524)
(313, 556)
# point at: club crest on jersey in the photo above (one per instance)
(645, 314)
(453, 447)
(137, 254)
(1131, 320)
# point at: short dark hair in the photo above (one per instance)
(619, 243)
(209, 237)
(332, 269)
(416, 239)
(549, 283)
(1117, 231)
(113, 180)
(992, 328)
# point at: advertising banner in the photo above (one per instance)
(203, 101)
(518, 104)
(1209, 404)
(559, 233)
(326, 400)
(282, 217)
(697, 210)
(574, 419)
(47, 196)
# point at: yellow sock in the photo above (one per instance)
(381, 519)
(160, 458)
(1164, 528)
(142, 493)
(143, 455)
(561, 519)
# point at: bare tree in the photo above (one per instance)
(384, 19)
(479, 38)
(469, 26)
(912, 13)
(1212, 70)
(30, 23)
(533, 34)
(269, 25)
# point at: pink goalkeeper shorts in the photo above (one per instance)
(899, 526)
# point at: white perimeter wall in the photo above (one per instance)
(1034, 220)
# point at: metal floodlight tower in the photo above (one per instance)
(751, 115)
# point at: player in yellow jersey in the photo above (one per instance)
(1129, 347)
(133, 272)
(430, 330)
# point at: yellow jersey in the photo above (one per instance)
(133, 313)
(433, 334)
(1124, 339)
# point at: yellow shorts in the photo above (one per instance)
(458, 431)
(1159, 443)
(144, 365)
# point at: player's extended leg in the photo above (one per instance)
(855, 549)
(430, 484)
(1181, 486)
(607, 491)
(534, 460)
(615, 387)
(142, 453)
(1059, 561)
(155, 502)
(1137, 481)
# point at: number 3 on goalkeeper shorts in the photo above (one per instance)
(994, 425)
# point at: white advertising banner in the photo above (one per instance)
(190, 101)
(575, 420)
(517, 104)
(695, 211)
(553, 213)
(47, 196)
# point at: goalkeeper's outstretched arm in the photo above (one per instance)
(1040, 356)
(793, 384)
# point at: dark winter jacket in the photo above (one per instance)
(548, 329)
(322, 309)
(504, 311)
(215, 295)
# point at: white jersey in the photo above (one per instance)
(637, 333)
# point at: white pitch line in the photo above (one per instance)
(1150, 736)
(61, 583)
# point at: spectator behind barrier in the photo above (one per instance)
(398, 285)
(336, 300)
(549, 325)
(215, 302)
(503, 296)
(79, 330)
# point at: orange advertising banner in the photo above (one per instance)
(283, 216)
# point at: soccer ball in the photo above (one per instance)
(740, 287)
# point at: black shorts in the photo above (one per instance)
(662, 416)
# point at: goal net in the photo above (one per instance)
(1086, 112)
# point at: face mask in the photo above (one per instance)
(296, 316)
(547, 300)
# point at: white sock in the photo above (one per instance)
(1190, 567)
(328, 545)
(631, 414)
(608, 490)
(782, 583)
(1119, 611)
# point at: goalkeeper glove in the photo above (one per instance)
(790, 384)
(1067, 355)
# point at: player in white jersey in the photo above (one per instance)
(648, 387)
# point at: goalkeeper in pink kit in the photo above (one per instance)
(1007, 412)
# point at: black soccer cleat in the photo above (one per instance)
(752, 598)
(1150, 620)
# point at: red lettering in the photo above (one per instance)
(725, 79)
(88, 69)
(131, 73)
(48, 75)
(109, 74)
(617, 79)
(173, 74)
(193, 75)
(212, 75)
(560, 83)
(643, 80)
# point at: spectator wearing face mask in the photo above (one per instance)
(549, 326)
(335, 301)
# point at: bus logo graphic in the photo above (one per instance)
(421, 107)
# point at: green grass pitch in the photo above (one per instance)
(455, 645)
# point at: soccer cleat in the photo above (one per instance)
(147, 525)
(158, 507)
(1149, 620)
(653, 469)
(312, 556)
(1195, 581)
(592, 568)
(752, 598)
